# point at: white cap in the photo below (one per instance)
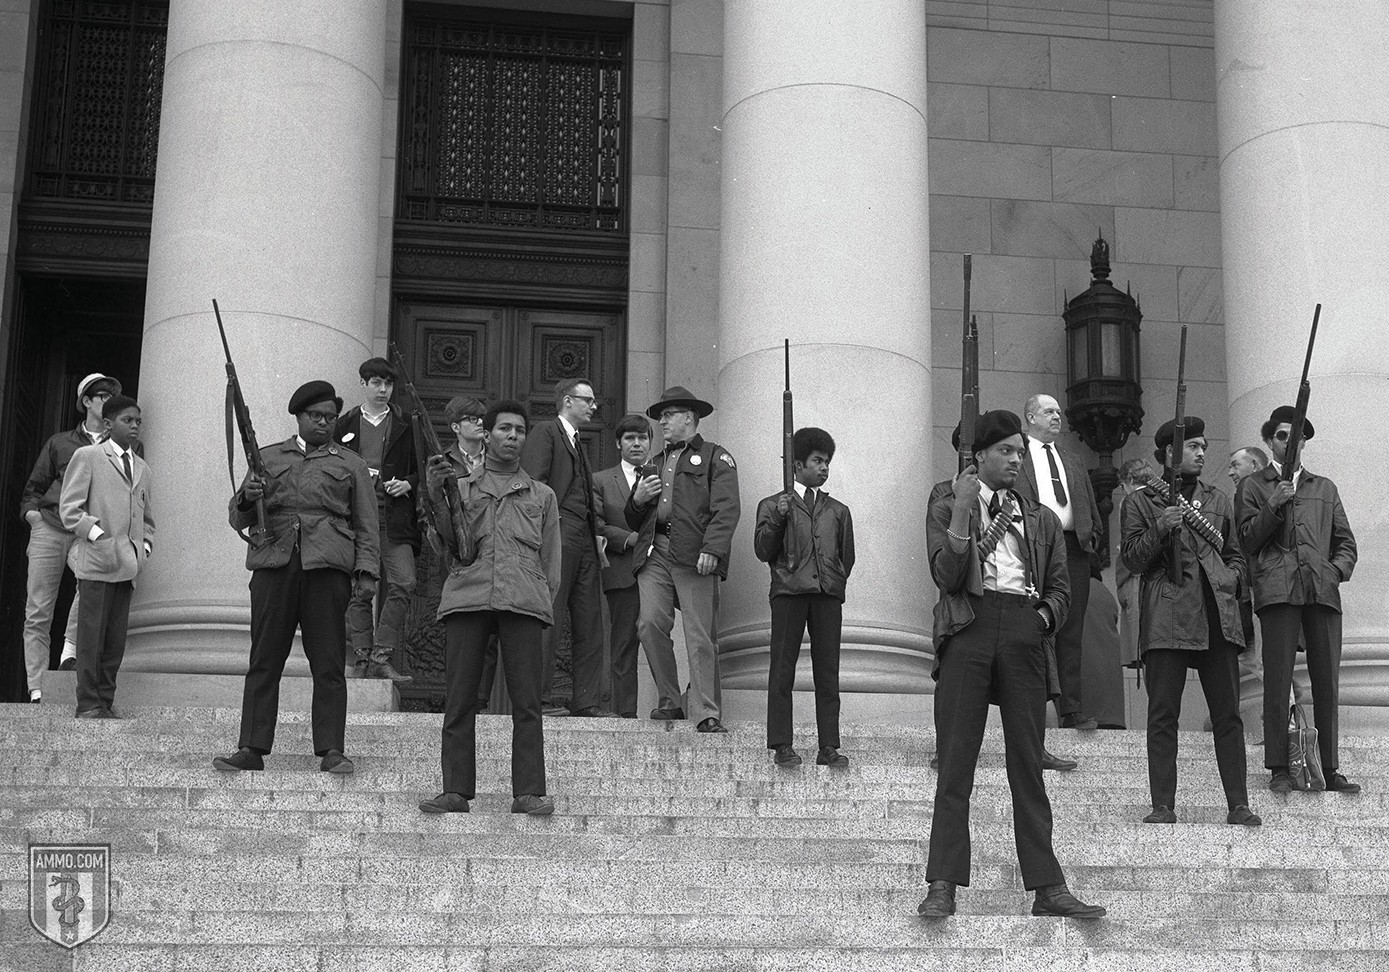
(91, 380)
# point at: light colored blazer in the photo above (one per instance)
(95, 493)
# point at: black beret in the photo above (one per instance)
(1286, 413)
(994, 427)
(311, 393)
(1194, 427)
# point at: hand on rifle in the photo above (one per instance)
(783, 504)
(436, 474)
(252, 490)
(1281, 494)
(967, 488)
(1170, 519)
(646, 490)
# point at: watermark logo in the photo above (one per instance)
(69, 891)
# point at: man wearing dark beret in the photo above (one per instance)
(999, 562)
(1297, 574)
(1188, 621)
(320, 511)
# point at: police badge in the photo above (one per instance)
(69, 891)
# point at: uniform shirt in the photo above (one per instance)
(1046, 491)
(1005, 569)
(666, 504)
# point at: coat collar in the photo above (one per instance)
(352, 422)
(519, 481)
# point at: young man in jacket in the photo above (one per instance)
(382, 434)
(106, 506)
(322, 547)
(1189, 619)
(507, 583)
(807, 537)
(999, 563)
(1297, 575)
(685, 516)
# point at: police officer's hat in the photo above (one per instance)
(677, 396)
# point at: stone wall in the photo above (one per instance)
(17, 27)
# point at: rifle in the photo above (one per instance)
(1191, 516)
(236, 408)
(969, 379)
(788, 456)
(427, 444)
(1292, 456)
(1174, 476)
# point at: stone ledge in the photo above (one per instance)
(217, 691)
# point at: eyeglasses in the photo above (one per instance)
(583, 398)
(320, 418)
(670, 413)
(469, 418)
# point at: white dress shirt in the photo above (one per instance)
(1004, 569)
(1046, 492)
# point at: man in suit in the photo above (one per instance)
(1056, 479)
(999, 563)
(554, 454)
(611, 489)
(105, 504)
(382, 434)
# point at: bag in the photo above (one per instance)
(1304, 758)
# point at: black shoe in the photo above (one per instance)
(90, 714)
(67, 665)
(336, 762)
(939, 901)
(1282, 782)
(1165, 815)
(1053, 762)
(533, 805)
(1336, 783)
(1078, 720)
(108, 714)
(592, 712)
(1243, 816)
(786, 756)
(1057, 900)
(554, 710)
(242, 759)
(386, 670)
(710, 725)
(667, 715)
(629, 715)
(829, 756)
(445, 803)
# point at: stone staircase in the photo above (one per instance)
(668, 850)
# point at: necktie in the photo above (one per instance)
(1056, 483)
(129, 475)
(810, 500)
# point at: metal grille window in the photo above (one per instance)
(96, 117)
(515, 126)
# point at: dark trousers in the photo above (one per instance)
(624, 606)
(581, 590)
(1069, 644)
(1321, 628)
(466, 634)
(1218, 669)
(791, 615)
(1000, 651)
(315, 602)
(102, 619)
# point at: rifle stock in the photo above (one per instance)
(1292, 456)
(1174, 549)
(236, 410)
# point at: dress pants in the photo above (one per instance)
(48, 555)
(1069, 650)
(376, 639)
(1218, 669)
(624, 607)
(791, 614)
(1000, 650)
(101, 627)
(315, 602)
(1321, 629)
(466, 634)
(581, 591)
(663, 585)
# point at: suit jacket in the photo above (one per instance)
(610, 495)
(1081, 495)
(96, 493)
(398, 461)
(44, 488)
(550, 457)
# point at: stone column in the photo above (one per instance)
(266, 199)
(824, 241)
(1304, 162)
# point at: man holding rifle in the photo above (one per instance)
(1300, 550)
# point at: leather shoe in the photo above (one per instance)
(1165, 815)
(1282, 782)
(1054, 762)
(939, 901)
(533, 805)
(90, 714)
(831, 757)
(1336, 783)
(386, 670)
(1057, 900)
(710, 725)
(336, 762)
(1243, 816)
(445, 803)
(1078, 720)
(109, 714)
(667, 715)
(786, 756)
(592, 712)
(554, 710)
(242, 759)
(67, 664)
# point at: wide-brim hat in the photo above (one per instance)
(84, 387)
(1194, 427)
(311, 393)
(677, 395)
(1286, 413)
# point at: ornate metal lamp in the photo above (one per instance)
(1103, 388)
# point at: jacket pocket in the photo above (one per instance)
(333, 489)
(101, 555)
(524, 522)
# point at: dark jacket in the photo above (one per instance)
(706, 508)
(44, 488)
(398, 461)
(1085, 511)
(324, 503)
(1323, 556)
(960, 576)
(822, 544)
(550, 458)
(610, 495)
(1173, 617)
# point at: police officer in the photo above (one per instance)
(320, 508)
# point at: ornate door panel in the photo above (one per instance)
(451, 350)
(554, 345)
